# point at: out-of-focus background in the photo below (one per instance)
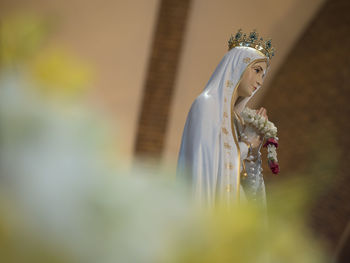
(143, 62)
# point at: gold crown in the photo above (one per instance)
(252, 41)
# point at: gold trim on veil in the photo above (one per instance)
(233, 130)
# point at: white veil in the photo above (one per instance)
(209, 158)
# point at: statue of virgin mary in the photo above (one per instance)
(220, 156)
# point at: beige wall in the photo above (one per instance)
(114, 36)
(210, 25)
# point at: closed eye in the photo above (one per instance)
(258, 69)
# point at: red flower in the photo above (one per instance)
(271, 141)
(274, 167)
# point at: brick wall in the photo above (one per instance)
(159, 85)
(309, 100)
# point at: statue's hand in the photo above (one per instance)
(262, 111)
(252, 135)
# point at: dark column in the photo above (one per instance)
(161, 74)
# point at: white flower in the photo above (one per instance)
(262, 120)
(259, 122)
(271, 152)
(264, 126)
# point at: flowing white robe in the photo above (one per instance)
(210, 153)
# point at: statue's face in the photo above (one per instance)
(252, 79)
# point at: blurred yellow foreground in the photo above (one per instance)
(65, 198)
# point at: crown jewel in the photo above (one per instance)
(253, 41)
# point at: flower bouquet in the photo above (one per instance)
(269, 130)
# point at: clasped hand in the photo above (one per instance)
(252, 135)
